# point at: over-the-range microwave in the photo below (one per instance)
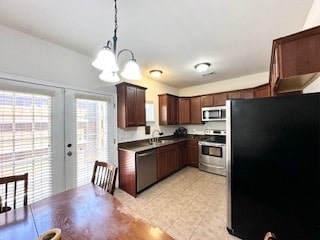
(213, 113)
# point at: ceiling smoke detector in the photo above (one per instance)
(209, 74)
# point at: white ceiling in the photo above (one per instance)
(234, 36)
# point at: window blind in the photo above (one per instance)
(25, 140)
(94, 136)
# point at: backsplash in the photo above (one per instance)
(138, 133)
(199, 128)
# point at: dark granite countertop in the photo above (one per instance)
(144, 145)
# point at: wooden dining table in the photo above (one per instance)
(86, 212)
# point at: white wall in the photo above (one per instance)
(243, 82)
(27, 56)
(313, 20)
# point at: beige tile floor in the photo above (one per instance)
(188, 205)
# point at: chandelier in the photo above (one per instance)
(107, 59)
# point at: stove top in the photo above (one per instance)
(216, 136)
(215, 132)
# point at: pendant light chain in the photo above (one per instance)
(107, 59)
(115, 27)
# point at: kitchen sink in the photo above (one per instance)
(159, 143)
(167, 141)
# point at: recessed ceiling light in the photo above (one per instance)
(202, 67)
(155, 73)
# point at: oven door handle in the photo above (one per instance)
(212, 165)
(211, 144)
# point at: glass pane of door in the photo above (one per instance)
(92, 133)
(89, 134)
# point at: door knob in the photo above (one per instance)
(69, 153)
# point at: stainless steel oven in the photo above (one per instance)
(212, 152)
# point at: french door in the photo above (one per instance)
(89, 134)
(54, 134)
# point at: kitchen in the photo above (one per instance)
(33, 66)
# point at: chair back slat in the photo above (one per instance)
(10, 186)
(15, 195)
(104, 175)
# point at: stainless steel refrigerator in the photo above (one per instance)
(273, 167)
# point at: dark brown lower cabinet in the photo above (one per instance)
(193, 153)
(170, 158)
(162, 165)
(127, 171)
(182, 155)
(167, 160)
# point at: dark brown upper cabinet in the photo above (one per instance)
(248, 94)
(195, 110)
(207, 101)
(295, 61)
(262, 91)
(234, 95)
(168, 109)
(184, 110)
(219, 99)
(131, 105)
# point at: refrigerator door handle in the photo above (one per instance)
(228, 164)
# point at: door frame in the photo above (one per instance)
(59, 165)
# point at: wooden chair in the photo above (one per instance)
(270, 236)
(8, 182)
(104, 175)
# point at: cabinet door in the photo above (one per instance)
(168, 109)
(184, 110)
(140, 107)
(234, 95)
(300, 55)
(248, 94)
(131, 106)
(174, 110)
(219, 99)
(193, 153)
(262, 92)
(172, 161)
(173, 114)
(162, 165)
(207, 101)
(163, 109)
(182, 156)
(195, 110)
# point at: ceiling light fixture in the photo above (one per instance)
(155, 73)
(202, 67)
(107, 60)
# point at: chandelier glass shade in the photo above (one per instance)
(109, 76)
(131, 70)
(108, 62)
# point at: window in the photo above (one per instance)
(25, 140)
(149, 111)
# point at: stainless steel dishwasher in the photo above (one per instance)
(146, 163)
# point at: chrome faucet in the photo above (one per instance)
(155, 139)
